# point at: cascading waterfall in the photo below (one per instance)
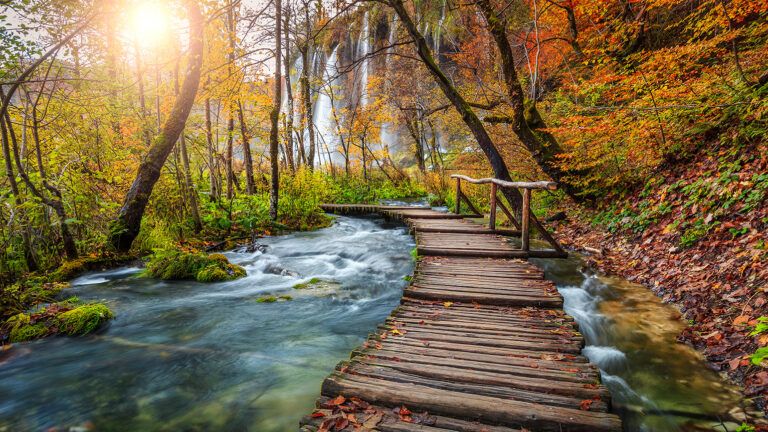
(363, 49)
(436, 34)
(386, 135)
(323, 116)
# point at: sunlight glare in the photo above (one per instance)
(149, 22)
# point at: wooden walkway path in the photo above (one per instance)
(479, 343)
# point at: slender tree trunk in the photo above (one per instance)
(250, 184)
(273, 133)
(305, 90)
(189, 183)
(29, 256)
(213, 172)
(526, 121)
(126, 226)
(142, 99)
(228, 158)
(474, 124)
(288, 91)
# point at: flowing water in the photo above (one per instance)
(656, 383)
(190, 356)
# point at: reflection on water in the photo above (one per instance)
(657, 384)
(191, 356)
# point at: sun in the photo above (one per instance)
(149, 22)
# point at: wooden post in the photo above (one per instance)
(457, 210)
(492, 216)
(526, 219)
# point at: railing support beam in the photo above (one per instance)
(525, 229)
(492, 216)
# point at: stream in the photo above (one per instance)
(204, 357)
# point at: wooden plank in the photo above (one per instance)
(539, 417)
(478, 340)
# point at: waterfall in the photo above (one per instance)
(391, 39)
(387, 137)
(437, 31)
(323, 117)
(363, 49)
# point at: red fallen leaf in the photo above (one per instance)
(534, 365)
(378, 345)
(341, 423)
(585, 404)
(591, 386)
(359, 402)
(337, 401)
(344, 369)
(317, 414)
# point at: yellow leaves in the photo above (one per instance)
(447, 304)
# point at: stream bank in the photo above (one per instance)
(718, 302)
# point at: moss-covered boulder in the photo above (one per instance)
(83, 319)
(175, 265)
(22, 329)
(67, 317)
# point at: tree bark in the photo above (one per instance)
(288, 92)
(29, 256)
(526, 121)
(305, 91)
(188, 182)
(274, 184)
(474, 124)
(250, 184)
(126, 226)
(213, 172)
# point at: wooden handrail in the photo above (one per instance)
(527, 219)
(503, 183)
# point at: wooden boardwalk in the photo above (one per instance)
(478, 343)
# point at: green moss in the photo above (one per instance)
(28, 332)
(308, 284)
(84, 319)
(266, 299)
(212, 273)
(285, 297)
(174, 265)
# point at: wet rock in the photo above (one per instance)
(278, 270)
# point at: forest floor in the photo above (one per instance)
(705, 252)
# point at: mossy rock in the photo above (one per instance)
(173, 265)
(308, 284)
(84, 319)
(272, 299)
(28, 332)
(70, 269)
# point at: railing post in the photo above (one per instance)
(492, 216)
(458, 196)
(526, 219)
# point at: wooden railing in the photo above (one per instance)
(527, 218)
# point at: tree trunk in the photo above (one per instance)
(126, 226)
(526, 121)
(305, 91)
(474, 124)
(273, 133)
(228, 158)
(142, 100)
(288, 92)
(190, 185)
(213, 172)
(250, 184)
(29, 256)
